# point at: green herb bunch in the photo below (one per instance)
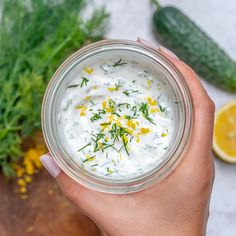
(35, 37)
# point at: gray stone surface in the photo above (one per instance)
(132, 18)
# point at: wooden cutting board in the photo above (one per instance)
(45, 213)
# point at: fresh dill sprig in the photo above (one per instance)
(92, 102)
(125, 145)
(89, 159)
(126, 92)
(145, 111)
(84, 147)
(104, 124)
(117, 86)
(73, 86)
(96, 139)
(84, 82)
(162, 109)
(119, 63)
(134, 109)
(102, 67)
(96, 116)
(32, 47)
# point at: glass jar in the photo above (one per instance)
(183, 116)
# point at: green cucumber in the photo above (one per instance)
(193, 46)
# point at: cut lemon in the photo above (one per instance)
(224, 140)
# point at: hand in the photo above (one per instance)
(177, 205)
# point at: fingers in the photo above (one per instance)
(86, 199)
(70, 188)
(203, 107)
(197, 90)
(50, 165)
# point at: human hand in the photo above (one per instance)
(177, 205)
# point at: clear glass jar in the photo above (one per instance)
(183, 117)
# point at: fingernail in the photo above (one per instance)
(167, 51)
(145, 42)
(50, 165)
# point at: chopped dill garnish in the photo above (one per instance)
(162, 109)
(102, 67)
(127, 105)
(102, 111)
(111, 101)
(135, 110)
(84, 147)
(145, 111)
(115, 113)
(126, 92)
(92, 102)
(96, 116)
(134, 116)
(112, 104)
(125, 145)
(108, 123)
(117, 86)
(96, 139)
(94, 165)
(84, 82)
(121, 104)
(89, 159)
(119, 63)
(109, 171)
(73, 86)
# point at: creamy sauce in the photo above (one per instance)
(117, 117)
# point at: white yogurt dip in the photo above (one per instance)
(117, 117)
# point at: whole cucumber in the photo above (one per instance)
(192, 45)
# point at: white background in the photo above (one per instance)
(133, 18)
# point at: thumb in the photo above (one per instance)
(70, 188)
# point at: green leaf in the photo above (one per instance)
(35, 38)
(8, 170)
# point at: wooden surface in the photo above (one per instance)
(45, 213)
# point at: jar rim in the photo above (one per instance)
(106, 185)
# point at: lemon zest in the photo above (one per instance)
(144, 131)
(88, 70)
(151, 101)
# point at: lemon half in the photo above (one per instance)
(224, 139)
